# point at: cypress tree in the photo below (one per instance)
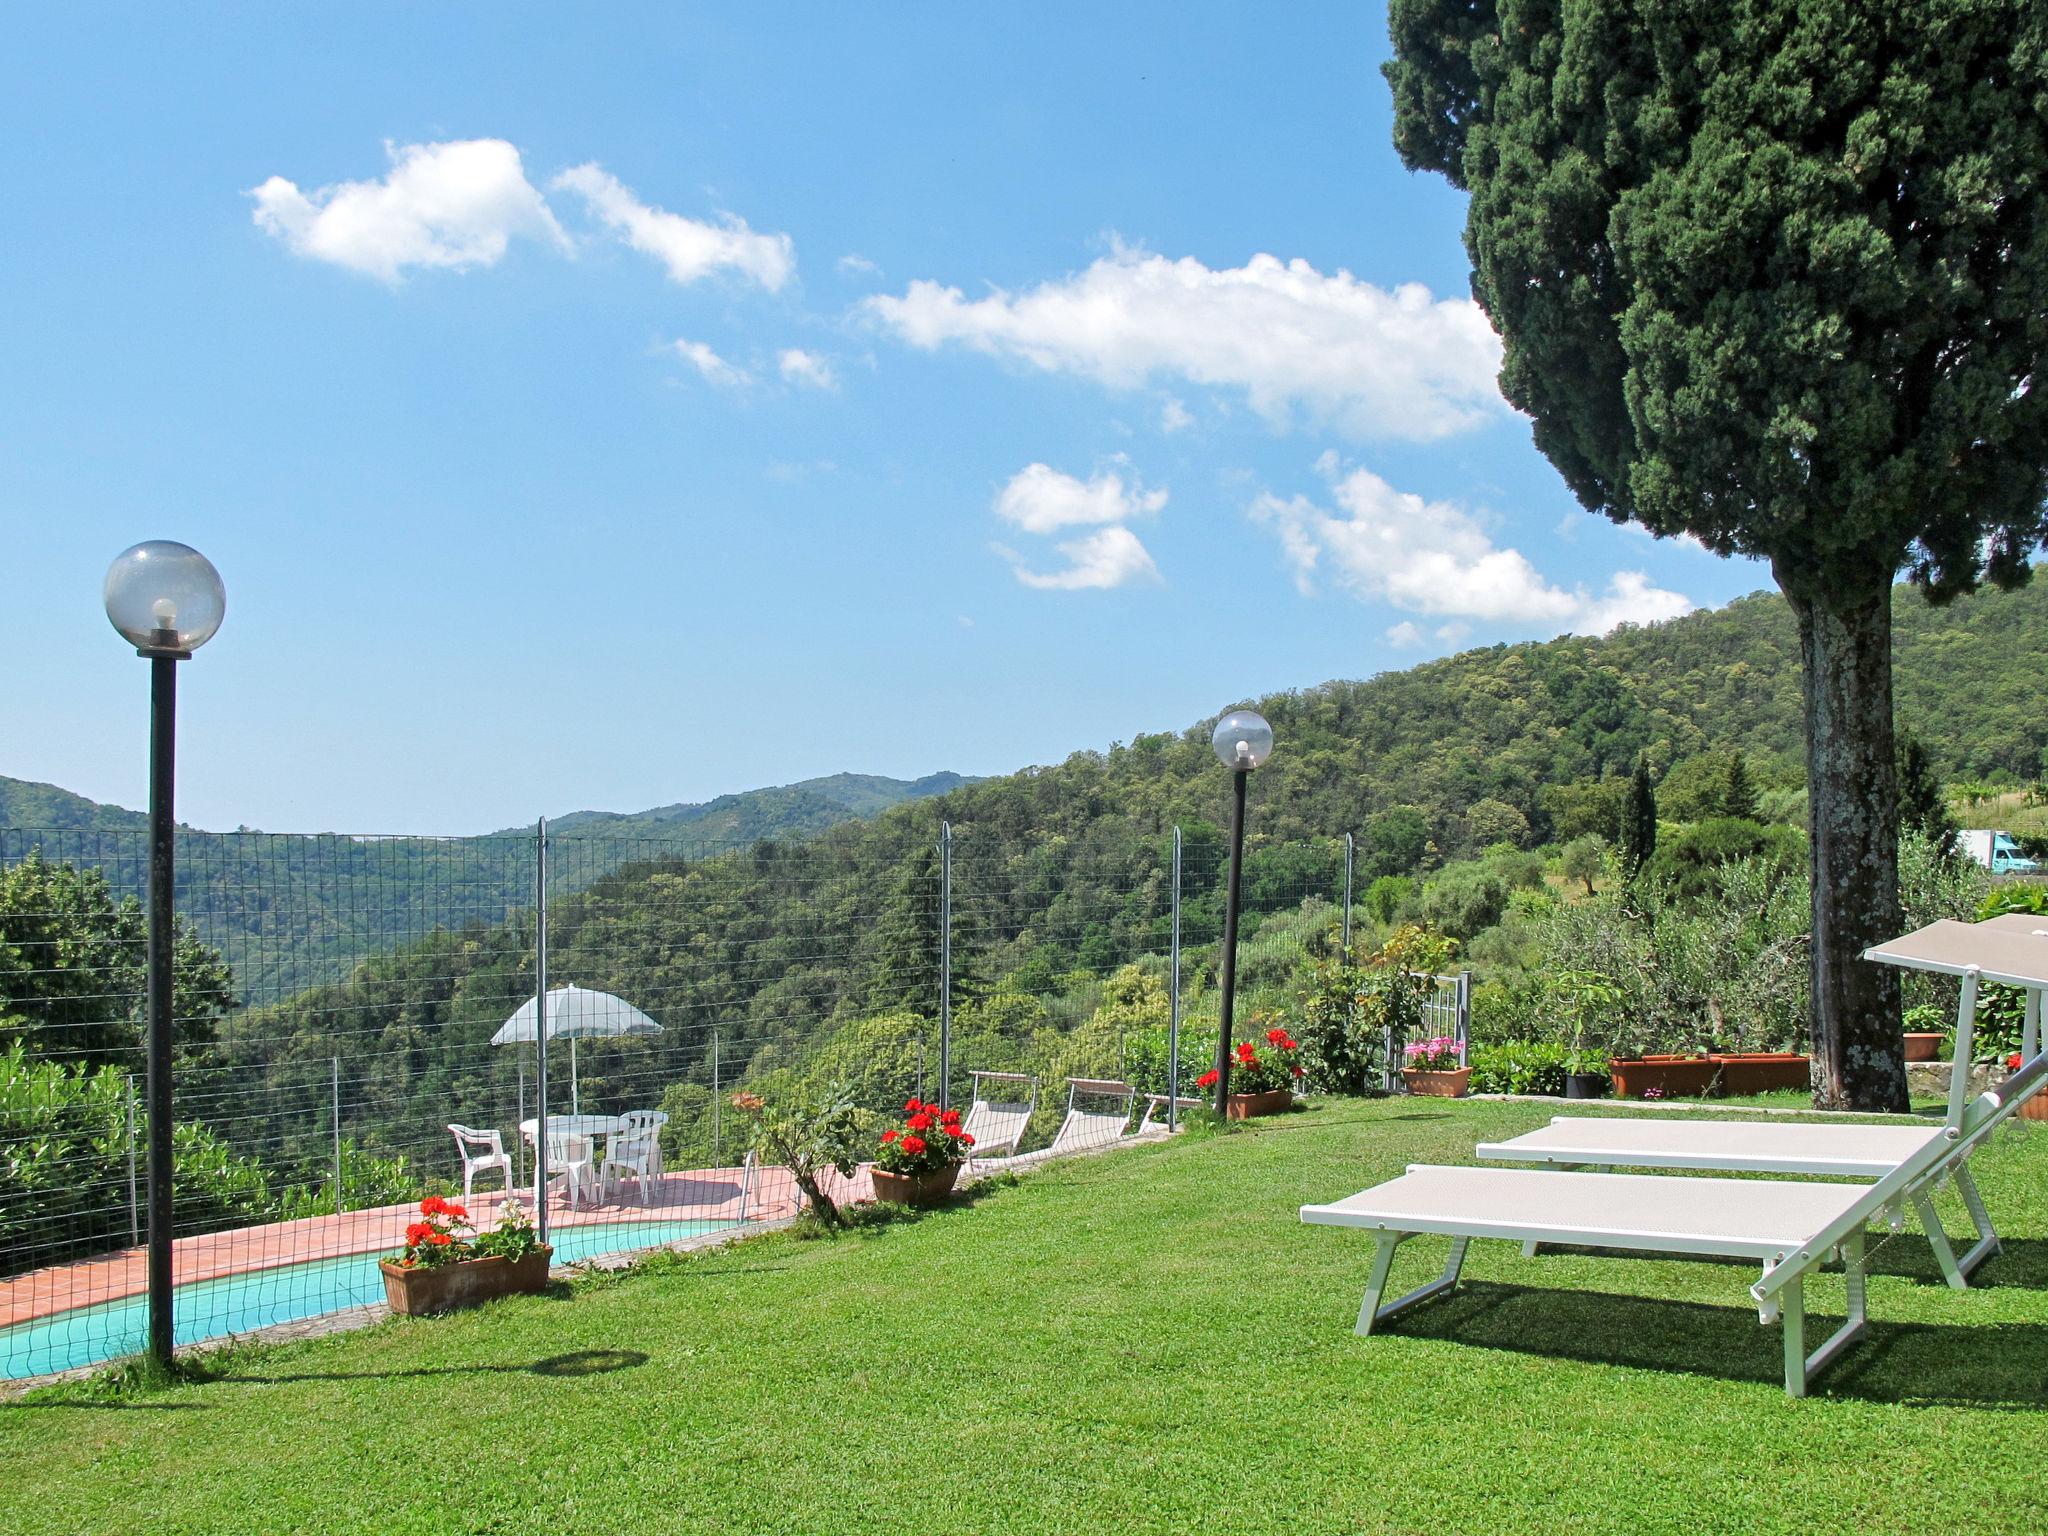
(1739, 798)
(1638, 822)
(1773, 273)
(1923, 807)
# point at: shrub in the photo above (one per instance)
(1518, 1066)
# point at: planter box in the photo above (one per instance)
(1762, 1072)
(416, 1292)
(1922, 1046)
(1672, 1077)
(915, 1188)
(1437, 1085)
(1585, 1085)
(1249, 1106)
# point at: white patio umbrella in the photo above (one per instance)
(575, 1013)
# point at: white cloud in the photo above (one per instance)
(854, 262)
(689, 248)
(1039, 499)
(1174, 417)
(707, 362)
(1108, 557)
(1370, 361)
(801, 367)
(1405, 633)
(455, 204)
(1435, 558)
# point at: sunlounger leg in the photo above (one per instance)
(1987, 1239)
(1792, 1316)
(1529, 1249)
(1851, 1330)
(1937, 1239)
(1372, 1313)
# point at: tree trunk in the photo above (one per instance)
(1845, 645)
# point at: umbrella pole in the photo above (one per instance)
(575, 1097)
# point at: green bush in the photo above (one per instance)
(1521, 1066)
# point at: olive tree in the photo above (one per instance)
(1773, 274)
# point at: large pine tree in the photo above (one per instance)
(1773, 273)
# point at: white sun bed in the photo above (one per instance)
(1791, 1229)
(2011, 949)
(1004, 1103)
(1094, 1127)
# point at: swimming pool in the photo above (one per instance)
(210, 1309)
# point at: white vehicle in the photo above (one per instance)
(1996, 851)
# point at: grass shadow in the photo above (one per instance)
(2021, 1262)
(1999, 1366)
(581, 1362)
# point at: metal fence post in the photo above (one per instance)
(945, 964)
(1349, 849)
(540, 1027)
(339, 1206)
(1173, 1001)
(717, 1160)
(134, 1220)
(1464, 1017)
(519, 1141)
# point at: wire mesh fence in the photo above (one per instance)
(349, 1037)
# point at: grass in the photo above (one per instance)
(1146, 1341)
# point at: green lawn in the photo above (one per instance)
(1146, 1341)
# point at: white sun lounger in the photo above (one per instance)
(1791, 1229)
(1003, 1105)
(1094, 1127)
(2001, 949)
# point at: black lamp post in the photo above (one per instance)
(166, 599)
(1242, 741)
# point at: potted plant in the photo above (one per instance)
(2035, 1108)
(447, 1263)
(920, 1159)
(1926, 1029)
(1263, 1073)
(1585, 994)
(1431, 1068)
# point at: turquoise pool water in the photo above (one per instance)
(209, 1309)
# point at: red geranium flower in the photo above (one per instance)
(950, 1117)
(433, 1205)
(439, 1239)
(966, 1140)
(1277, 1035)
(2012, 1062)
(914, 1145)
(911, 1106)
(454, 1211)
(1247, 1052)
(919, 1122)
(1208, 1079)
(889, 1136)
(417, 1233)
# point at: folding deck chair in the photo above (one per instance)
(998, 1124)
(1155, 1109)
(1790, 1228)
(1999, 950)
(1093, 1127)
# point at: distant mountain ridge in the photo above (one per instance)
(778, 811)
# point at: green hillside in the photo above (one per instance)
(1061, 873)
(294, 910)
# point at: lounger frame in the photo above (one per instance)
(1780, 1292)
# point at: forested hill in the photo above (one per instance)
(292, 910)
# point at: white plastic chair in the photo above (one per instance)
(572, 1161)
(481, 1151)
(635, 1155)
(635, 1124)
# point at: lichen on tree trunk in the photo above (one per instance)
(1845, 640)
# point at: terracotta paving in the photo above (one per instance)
(700, 1194)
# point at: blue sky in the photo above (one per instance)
(608, 413)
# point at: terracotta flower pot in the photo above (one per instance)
(1437, 1085)
(916, 1188)
(415, 1292)
(1762, 1071)
(1673, 1077)
(1249, 1106)
(1923, 1045)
